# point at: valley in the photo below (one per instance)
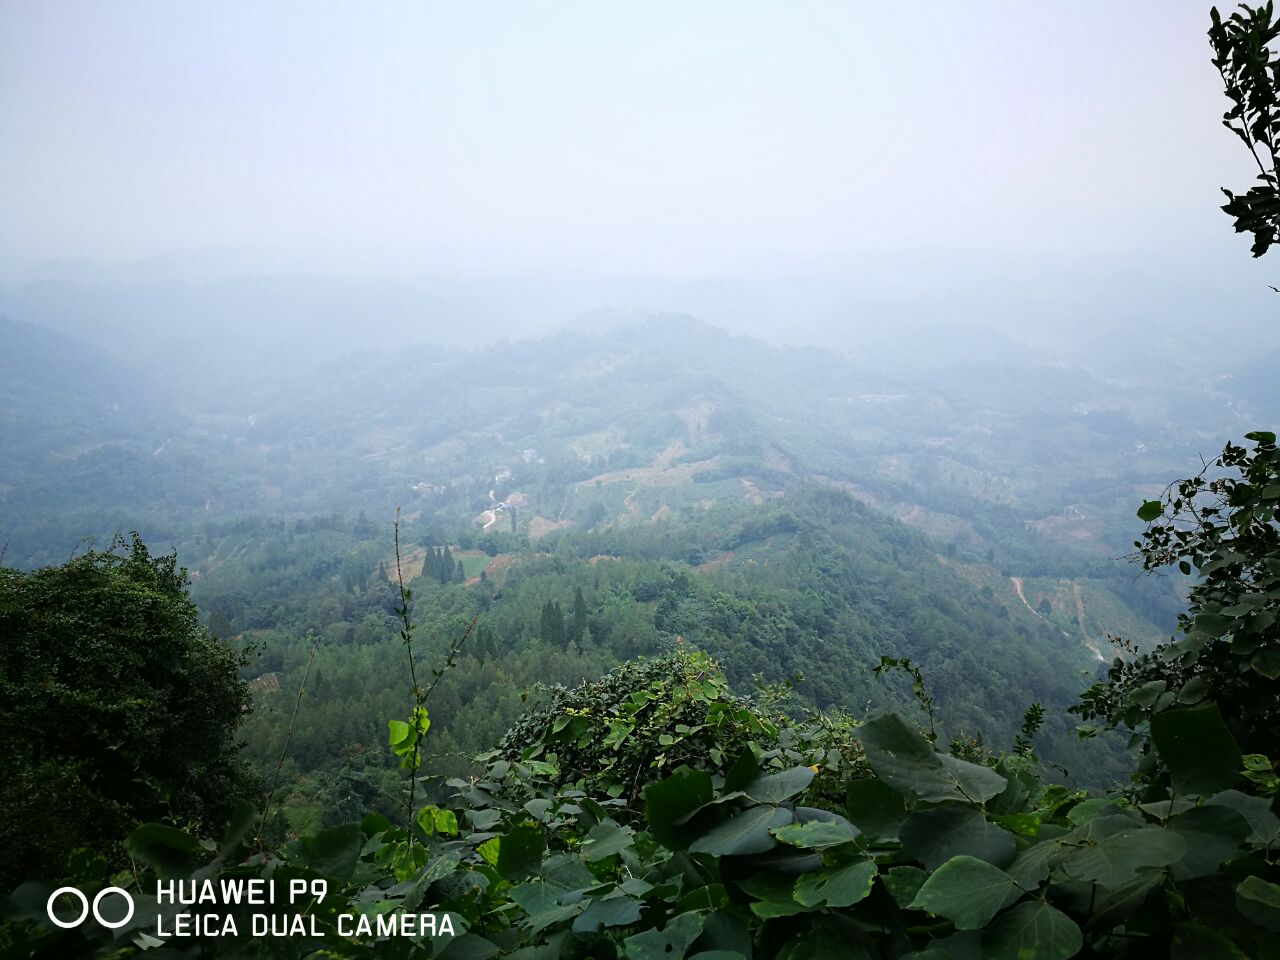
(793, 512)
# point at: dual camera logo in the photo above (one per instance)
(85, 907)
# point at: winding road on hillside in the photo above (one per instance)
(1089, 644)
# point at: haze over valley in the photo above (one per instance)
(719, 480)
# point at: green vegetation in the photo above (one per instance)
(117, 706)
(814, 584)
(539, 730)
(654, 813)
(615, 736)
(1223, 523)
(1249, 69)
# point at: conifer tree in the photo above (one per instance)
(579, 616)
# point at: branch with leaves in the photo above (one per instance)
(405, 737)
(1250, 73)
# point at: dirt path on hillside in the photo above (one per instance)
(1084, 634)
(1017, 585)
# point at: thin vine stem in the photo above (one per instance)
(275, 779)
(420, 695)
(406, 634)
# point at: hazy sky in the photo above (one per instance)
(674, 138)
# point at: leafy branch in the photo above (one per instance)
(405, 737)
(1250, 74)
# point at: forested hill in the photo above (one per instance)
(817, 588)
(789, 510)
(969, 453)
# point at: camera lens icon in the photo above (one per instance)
(85, 907)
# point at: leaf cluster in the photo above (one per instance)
(1222, 525)
(927, 856)
(614, 736)
(1250, 72)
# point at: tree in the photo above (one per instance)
(579, 616)
(1250, 71)
(1222, 524)
(551, 630)
(116, 707)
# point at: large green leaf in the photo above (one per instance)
(1113, 905)
(607, 912)
(554, 916)
(777, 787)
(1201, 754)
(1032, 931)
(1114, 858)
(743, 770)
(933, 836)
(773, 894)
(904, 759)
(669, 801)
(817, 834)
(568, 871)
(1259, 900)
(604, 840)
(669, 943)
(837, 886)
(437, 868)
(770, 909)
(1031, 867)
(974, 781)
(520, 854)
(1211, 834)
(1263, 823)
(875, 808)
(745, 832)
(1087, 810)
(243, 819)
(965, 890)
(726, 930)
(537, 896)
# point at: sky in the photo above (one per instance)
(672, 139)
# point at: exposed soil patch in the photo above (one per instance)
(716, 562)
(541, 526)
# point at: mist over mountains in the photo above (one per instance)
(223, 325)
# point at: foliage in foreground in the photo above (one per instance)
(1250, 72)
(927, 856)
(613, 737)
(1224, 523)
